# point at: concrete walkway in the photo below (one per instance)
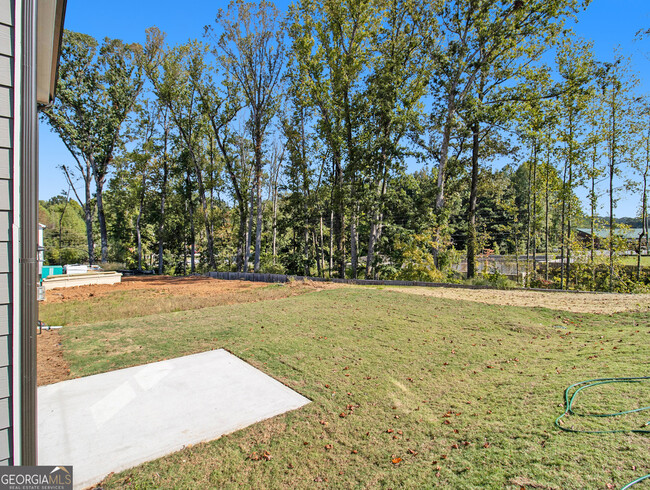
(113, 421)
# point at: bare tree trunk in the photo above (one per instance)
(258, 227)
(592, 246)
(562, 229)
(546, 206)
(339, 216)
(87, 206)
(322, 252)
(316, 253)
(306, 242)
(471, 215)
(249, 233)
(444, 151)
(534, 210)
(139, 219)
(372, 236)
(207, 221)
(331, 243)
(592, 215)
(103, 233)
(568, 235)
(644, 209)
(275, 220)
(275, 227)
(612, 166)
(163, 195)
(185, 255)
(517, 255)
(258, 136)
(377, 217)
(67, 201)
(353, 239)
(529, 229)
(190, 204)
(88, 218)
(241, 237)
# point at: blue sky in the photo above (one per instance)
(609, 23)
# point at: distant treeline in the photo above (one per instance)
(280, 142)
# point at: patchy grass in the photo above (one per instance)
(133, 303)
(633, 259)
(407, 390)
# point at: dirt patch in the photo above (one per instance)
(139, 296)
(51, 367)
(195, 286)
(575, 302)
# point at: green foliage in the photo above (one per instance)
(286, 143)
(417, 257)
(494, 279)
(64, 236)
(97, 88)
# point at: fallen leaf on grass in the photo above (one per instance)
(396, 460)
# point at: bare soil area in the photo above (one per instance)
(574, 302)
(195, 286)
(138, 296)
(51, 367)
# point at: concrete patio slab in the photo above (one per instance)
(113, 421)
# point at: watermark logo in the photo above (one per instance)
(35, 477)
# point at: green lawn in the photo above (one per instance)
(633, 260)
(407, 391)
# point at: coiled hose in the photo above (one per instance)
(590, 383)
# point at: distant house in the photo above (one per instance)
(601, 237)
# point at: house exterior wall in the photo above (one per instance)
(8, 174)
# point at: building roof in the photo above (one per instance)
(50, 16)
(627, 233)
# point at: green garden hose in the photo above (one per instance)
(568, 403)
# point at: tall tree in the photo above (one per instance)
(251, 50)
(399, 72)
(479, 33)
(641, 165)
(97, 89)
(616, 84)
(175, 74)
(330, 52)
(576, 67)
